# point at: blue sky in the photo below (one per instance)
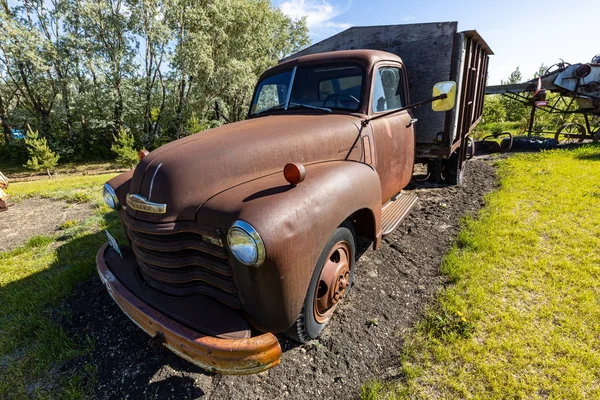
(523, 33)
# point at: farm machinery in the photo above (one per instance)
(578, 90)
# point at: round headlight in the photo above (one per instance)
(245, 244)
(110, 197)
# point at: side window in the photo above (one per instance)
(388, 93)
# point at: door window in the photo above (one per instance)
(388, 93)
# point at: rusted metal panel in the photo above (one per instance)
(176, 258)
(294, 223)
(195, 168)
(229, 356)
(395, 148)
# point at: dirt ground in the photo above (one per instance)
(36, 217)
(392, 288)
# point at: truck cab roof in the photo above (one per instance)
(364, 58)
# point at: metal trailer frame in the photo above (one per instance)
(533, 95)
(471, 56)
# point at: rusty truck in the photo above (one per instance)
(250, 229)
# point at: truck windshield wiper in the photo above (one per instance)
(275, 107)
(280, 106)
(311, 107)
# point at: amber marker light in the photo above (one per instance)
(294, 173)
(143, 153)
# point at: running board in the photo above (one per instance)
(394, 211)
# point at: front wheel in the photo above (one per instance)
(330, 283)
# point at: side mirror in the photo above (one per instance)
(449, 89)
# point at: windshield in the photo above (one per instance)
(324, 87)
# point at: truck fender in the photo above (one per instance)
(120, 185)
(295, 223)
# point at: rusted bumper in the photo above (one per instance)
(226, 356)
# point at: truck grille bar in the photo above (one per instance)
(174, 259)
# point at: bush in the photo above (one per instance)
(40, 155)
(123, 148)
(15, 153)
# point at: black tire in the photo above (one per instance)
(306, 326)
(454, 169)
(470, 148)
(434, 170)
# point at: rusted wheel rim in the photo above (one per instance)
(333, 282)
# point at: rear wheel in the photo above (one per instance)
(454, 169)
(434, 170)
(330, 283)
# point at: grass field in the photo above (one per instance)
(522, 319)
(81, 188)
(34, 280)
(21, 171)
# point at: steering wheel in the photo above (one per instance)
(337, 96)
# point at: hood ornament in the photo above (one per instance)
(140, 203)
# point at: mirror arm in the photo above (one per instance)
(414, 105)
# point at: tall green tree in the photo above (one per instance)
(41, 157)
(515, 111)
(80, 71)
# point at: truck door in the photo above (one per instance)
(394, 134)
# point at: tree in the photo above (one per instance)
(493, 109)
(221, 48)
(123, 148)
(110, 37)
(40, 155)
(515, 111)
(6, 128)
(542, 70)
(78, 71)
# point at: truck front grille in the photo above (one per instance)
(174, 259)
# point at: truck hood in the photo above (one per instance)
(185, 173)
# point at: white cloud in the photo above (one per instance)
(319, 15)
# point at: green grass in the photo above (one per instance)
(526, 277)
(62, 168)
(34, 280)
(74, 189)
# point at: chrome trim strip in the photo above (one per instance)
(289, 93)
(139, 203)
(152, 181)
(260, 246)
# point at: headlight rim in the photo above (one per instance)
(255, 236)
(113, 195)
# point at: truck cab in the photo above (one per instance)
(248, 230)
